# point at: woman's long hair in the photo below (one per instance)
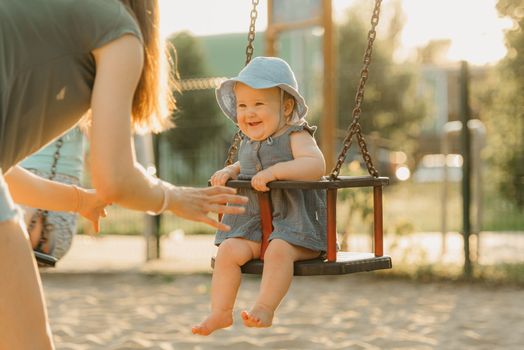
(153, 101)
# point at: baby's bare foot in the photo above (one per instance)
(217, 320)
(259, 316)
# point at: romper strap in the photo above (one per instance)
(303, 126)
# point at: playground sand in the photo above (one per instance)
(141, 311)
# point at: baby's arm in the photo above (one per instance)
(229, 172)
(307, 165)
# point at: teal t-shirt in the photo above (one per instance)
(47, 70)
(70, 155)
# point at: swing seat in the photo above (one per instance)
(336, 263)
(45, 260)
(346, 263)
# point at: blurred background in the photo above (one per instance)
(437, 64)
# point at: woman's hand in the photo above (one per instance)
(261, 179)
(196, 203)
(90, 206)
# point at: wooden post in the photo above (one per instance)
(153, 242)
(266, 218)
(331, 225)
(466, 165)
(270, 32)
(377, 228)
(328, 122)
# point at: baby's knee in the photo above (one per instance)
(235, 250)
(279, 250)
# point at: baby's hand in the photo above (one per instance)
(220, 177)
(91, 207)
(260, 180)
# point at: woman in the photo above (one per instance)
(57, 60)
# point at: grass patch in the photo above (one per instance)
(418, 207)
(408, 207)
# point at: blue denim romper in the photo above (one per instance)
(8, 209)
(299, 216)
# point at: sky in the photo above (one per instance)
(475, 30)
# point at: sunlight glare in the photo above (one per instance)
(475, 30)
(473, 26)
(403, 173)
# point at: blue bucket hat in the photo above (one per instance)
(262, 73)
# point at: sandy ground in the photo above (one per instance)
(141, 311)
(103, 295)
(191, 253)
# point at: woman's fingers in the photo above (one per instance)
(196, 203)
(216, 224)
(95, 216)
(219, 190)
(219, 204)
(96, 225)
(227, 198)
(224, 209)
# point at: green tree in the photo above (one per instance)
(197, 117)
(199, 123)
(389, 106)
(503, 110)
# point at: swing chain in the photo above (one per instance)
(354, 128)
(43, 213)
(233, 149)
(251, 36)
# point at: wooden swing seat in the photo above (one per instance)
(346, 263)
(45, 259)
(336, 263)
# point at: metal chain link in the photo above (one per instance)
(43, 213)
(56, 157)
(251, 35)
(354, 128)
(233, 149)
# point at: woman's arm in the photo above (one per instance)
(308, 163)
(116, 175)
(34, 191)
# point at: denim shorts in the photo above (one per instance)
(8, 209)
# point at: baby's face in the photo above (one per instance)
(258, 111)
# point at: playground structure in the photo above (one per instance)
(449, 144)
(154, 237)
(337, 262)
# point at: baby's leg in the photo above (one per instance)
(276, 278)
(232, 253)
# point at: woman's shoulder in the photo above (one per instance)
(105, 21)
(64, 25)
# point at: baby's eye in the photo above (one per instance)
(241, 105)
(259, 104)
